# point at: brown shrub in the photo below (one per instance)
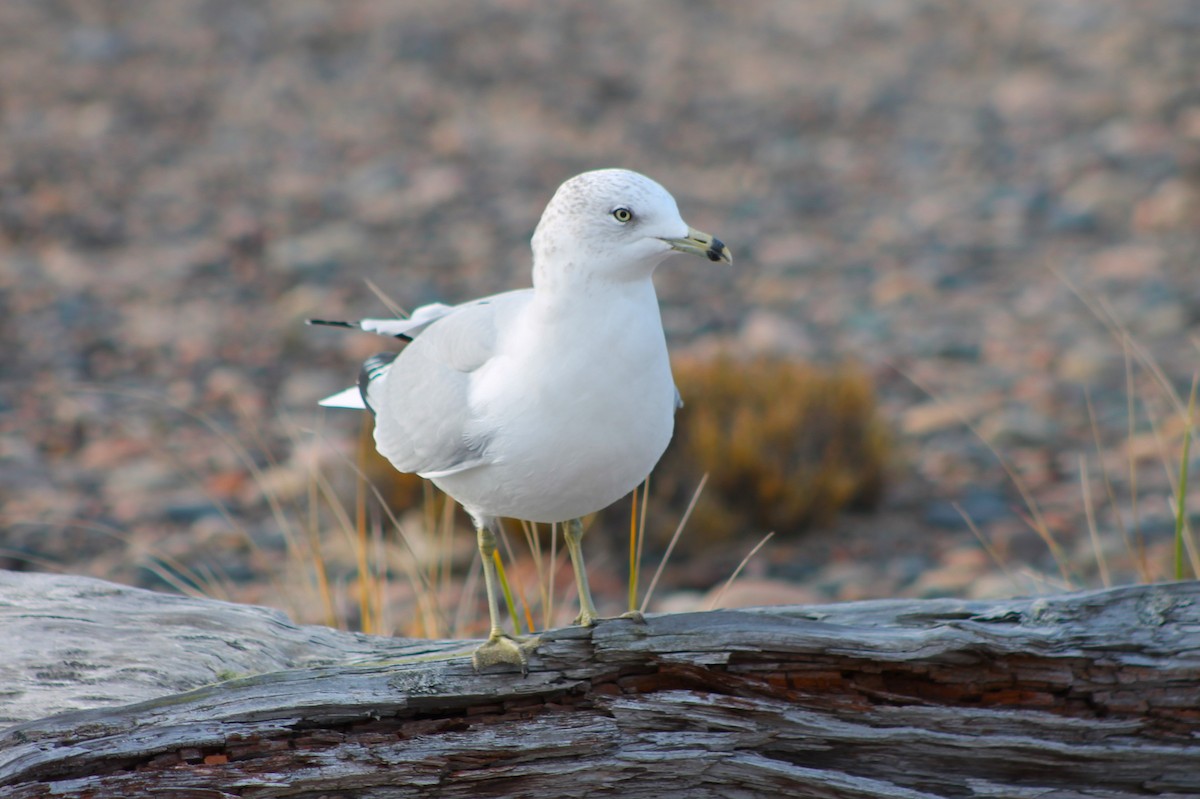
(786, 445)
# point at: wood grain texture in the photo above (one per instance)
(1093, 694)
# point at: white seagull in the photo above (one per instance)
(546, 403)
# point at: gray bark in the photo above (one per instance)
(113, 691)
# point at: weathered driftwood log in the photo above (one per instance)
(1094, 694)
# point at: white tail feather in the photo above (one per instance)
(348, 398)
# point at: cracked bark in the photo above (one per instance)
(112, 691)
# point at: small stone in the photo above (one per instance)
(935, 415)
(768, 333)
(995, 585)
(1128, 262)
(786, 250)
(680, 602)
(1174, 205)
(897, 286)
(1189, 123)
(950, 580)
(1084, 362)
(1019, 425)
(1026, 93)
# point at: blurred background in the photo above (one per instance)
(966, 295)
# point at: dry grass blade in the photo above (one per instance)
(504, 585)
(1146, 359)
(42, 563)
(1034, 518)
(1090, 513)
(634, 545)
(507, 591)
(366, 587)
(1131, 413)
(380, 579)
(987, 545)
(1108, 317)
(198, 581)
(1183, 543)
(1178, 483)
(671, 546)
(431, 615)
(201, 580)
(1111, 495)
(233, 445)
(716, 601)
(637, 540)
(470, 588)
(549, 613)
(1181, 489)
(294, 542)
(314, 545)
(533, 541)
(387, 301)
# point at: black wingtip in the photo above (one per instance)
(372, 368)
(330, 323)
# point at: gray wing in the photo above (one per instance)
(423, 419)
(407, 329)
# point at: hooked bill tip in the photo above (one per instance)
(716, 250)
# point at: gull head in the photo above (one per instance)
(613, 225)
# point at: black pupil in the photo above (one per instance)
(623, 214)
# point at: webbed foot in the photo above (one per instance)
(503, 648)
(586, 618)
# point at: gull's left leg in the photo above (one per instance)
(499, 647)
(573, 534)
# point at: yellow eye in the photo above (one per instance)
(622, 215)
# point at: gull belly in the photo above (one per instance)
(589, 416)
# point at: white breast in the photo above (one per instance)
(580, 411)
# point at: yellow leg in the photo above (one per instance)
(499, 647)
(573, 534)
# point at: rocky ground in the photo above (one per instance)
(995, 208)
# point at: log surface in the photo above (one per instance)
(121, 692)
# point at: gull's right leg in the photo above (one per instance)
(588, 616)
(573, 535)
(499, 647)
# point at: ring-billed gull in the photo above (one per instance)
(549, 403)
